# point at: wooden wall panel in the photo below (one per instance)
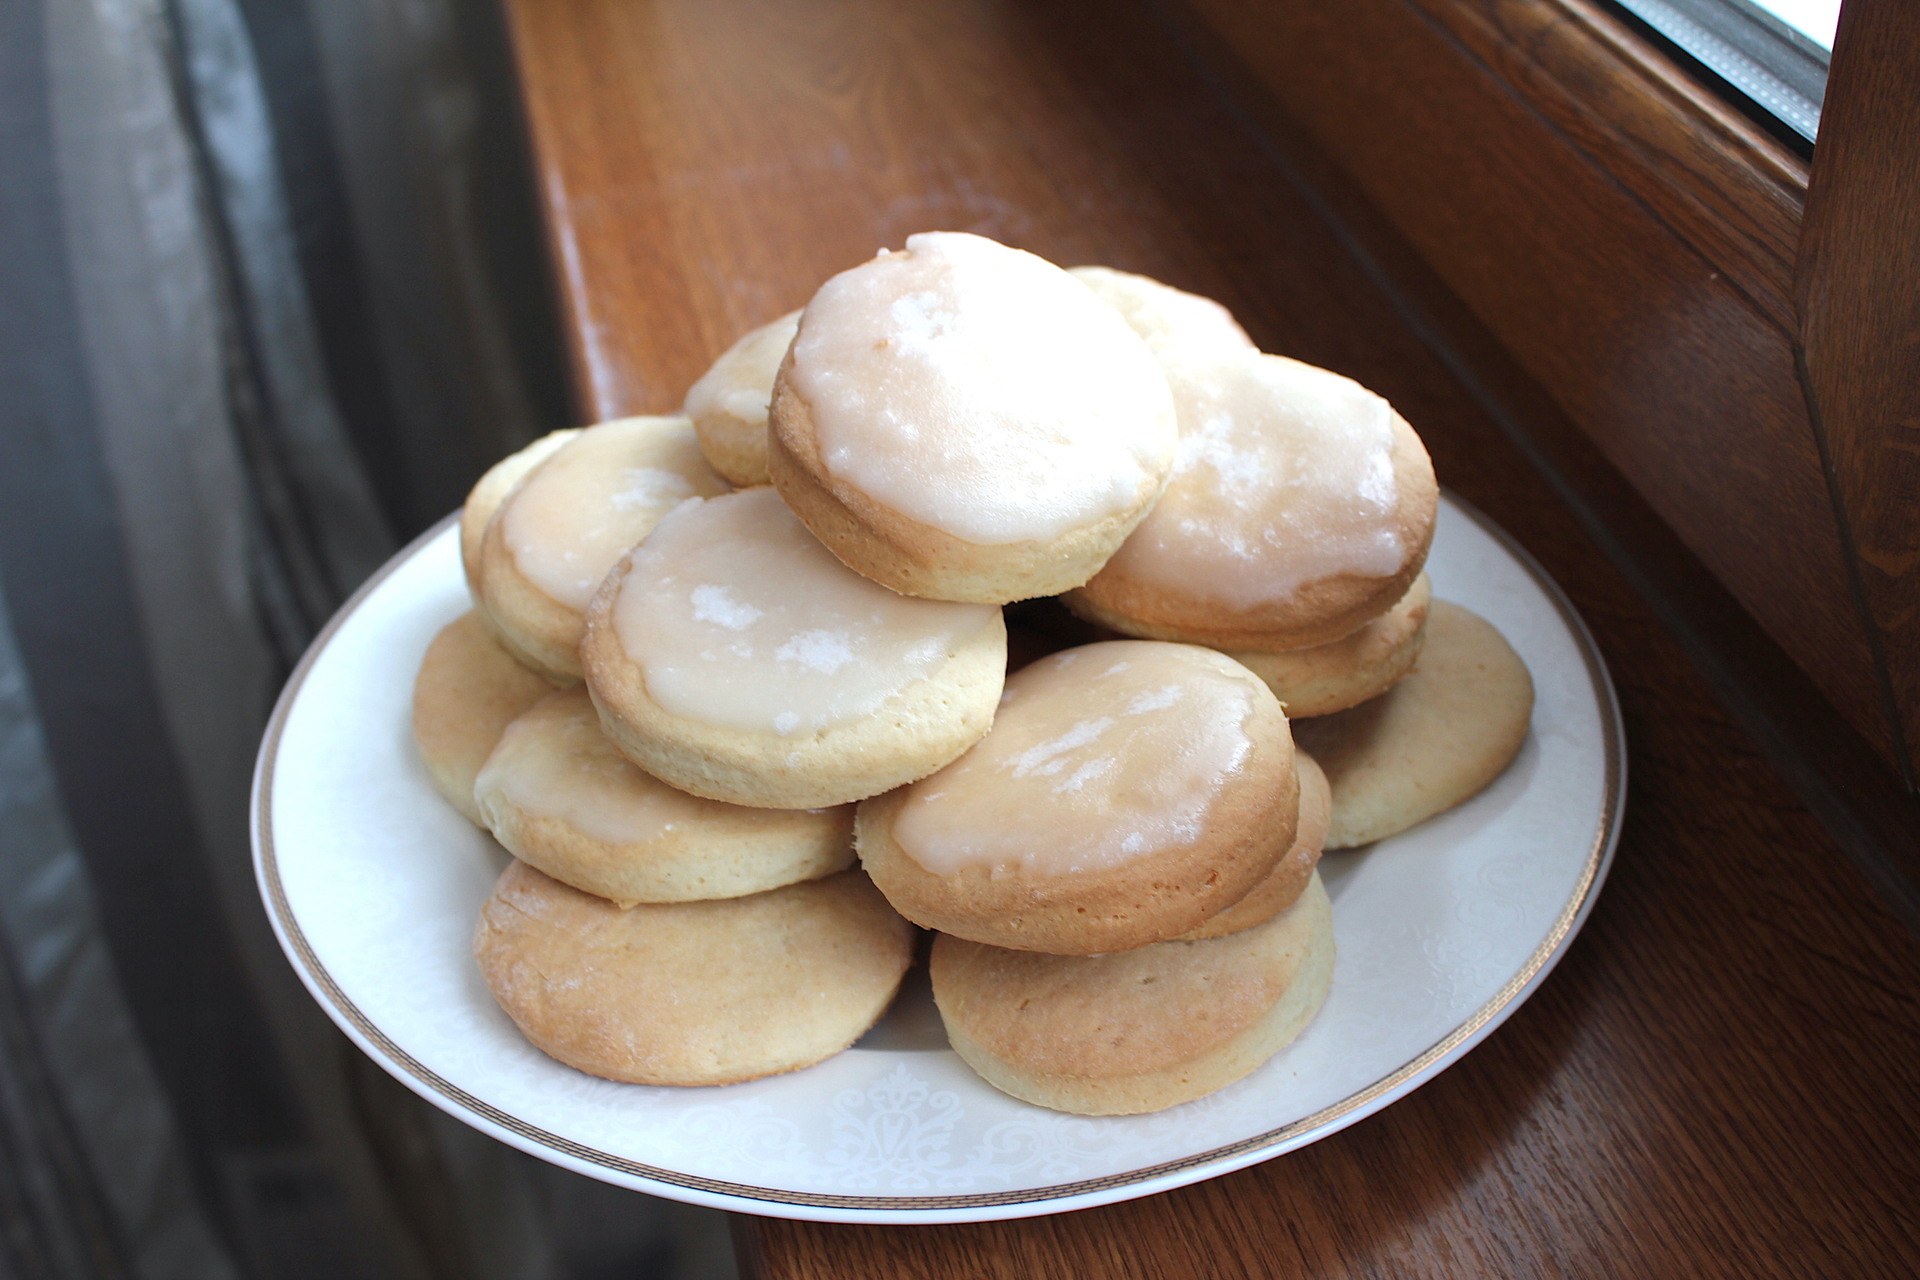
(1661, 328)
(1859, 294)
(1719, 182)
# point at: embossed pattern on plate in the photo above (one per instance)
(373, 884)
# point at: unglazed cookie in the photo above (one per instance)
(1169, 319)
(1288, 879)
(691, 993)
(560, 796)
(729, 403)
(1430, 742)
(1301, 506)
(492, 489)
(731, 655)
(1346, 672)
(1127, 791)
(1140, 1030)
(964, 421)
(467, 691)
(565, 523)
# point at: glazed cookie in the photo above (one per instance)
(729, 403)
(1127, 791)
(1301, 507)
(467, 692)
(560, 796)
(731, 655)
(492, 489)
(1140, 1030)
(1350, 670)
(1432, 741)
(1285, 883)
(691, 993)
(1169, 319)
(570, 519)
(964, 421)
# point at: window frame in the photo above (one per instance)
(1720, 316)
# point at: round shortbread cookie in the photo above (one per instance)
(1285, 883)
(1432, 741)
(570, 519)
(492, 489)
(691, 993)
(560, 796)
(467, 691)
(1139, 1030)
(731, 655)
(1127, 792)
(965, 421)
(1301, 506)
(729, 403)
(1345, 673)
(1169, 319)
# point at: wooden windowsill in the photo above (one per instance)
(1668, 1103)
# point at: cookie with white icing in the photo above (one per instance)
(1127, 792)
(570, 519)
(729, 403)
(1300, 507)
(1140, 1030)
(468, 690)
(691, 993)
(965, 421)
(1346, 672)
(1288, 879)
(560, 796)
(1170, 320)
(492, 489)
(1431, 742)
(732, 656)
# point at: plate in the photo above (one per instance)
(374, 885)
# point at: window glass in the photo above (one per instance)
(1814, 19)
(1773, 53)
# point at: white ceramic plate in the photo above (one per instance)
(374, 885)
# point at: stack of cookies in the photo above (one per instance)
(686, 708)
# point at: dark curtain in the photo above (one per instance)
(271, 296)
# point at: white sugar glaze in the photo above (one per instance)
(982, 391)
(1169, 320)
(569, 521)
(1284, 477)
(736, 616)
(741, 381)
(1098, 755)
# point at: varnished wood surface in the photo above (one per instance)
(1859, 291)
(1720, 183)
(1720, 1079)
(1629, 242)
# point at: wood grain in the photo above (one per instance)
(1722, 1078)
(1699, 167)
(1859, 295)
(1661, 324)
